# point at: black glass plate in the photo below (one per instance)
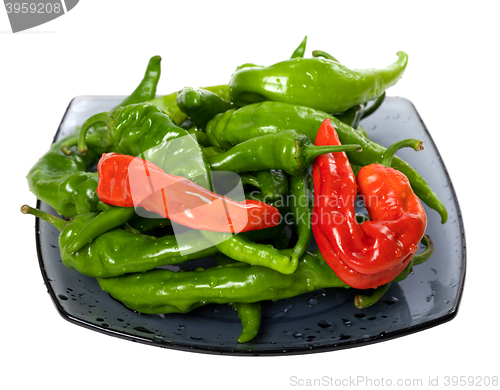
(319, 321)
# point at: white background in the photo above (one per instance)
(102, 47)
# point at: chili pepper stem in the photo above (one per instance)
(82, 139)
(321, 53)
(68, 144)
(54, 221)
(311, 152)
(364, 301)
(406, 143)
(75, 141)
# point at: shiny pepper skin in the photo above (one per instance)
(375, 252)
(319, 83)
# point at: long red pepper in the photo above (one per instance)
(129, 181)
(375, 252)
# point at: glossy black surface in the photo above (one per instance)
(319, 321)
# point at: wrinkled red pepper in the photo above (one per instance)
(129, 181)
(373, 253)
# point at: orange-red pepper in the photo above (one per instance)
(129, 181)
(373, 253)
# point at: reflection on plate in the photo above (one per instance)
(318, 321)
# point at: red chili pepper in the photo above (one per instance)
(129, 181)
(375, 252)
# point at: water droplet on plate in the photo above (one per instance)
(324, 324)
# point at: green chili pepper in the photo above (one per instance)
(144, 130)
(201, 105)
(240, 248)
(118, 251)
(314, 82)
(103, 222)
(133, 128)
(300, 50)
(256, 120)
(249, 313)
(168, 103)
(273, 183)
(362, 301)
(62, 181)
(250, 316)
(147, 88)
(287, 150)
(163, 291)
(301, 205)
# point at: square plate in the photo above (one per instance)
(318, 321)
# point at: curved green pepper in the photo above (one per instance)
(287, 150)
(250, 316)
(118, 252)
(146, 90)
(240, 248)
(300, 50)
(168, 103)
(301, 205)
(133, 128)
(163, 291)
(145, 130)
(314, 82)
(201, 105)
(62, 181)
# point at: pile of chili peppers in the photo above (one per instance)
(291, 133)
